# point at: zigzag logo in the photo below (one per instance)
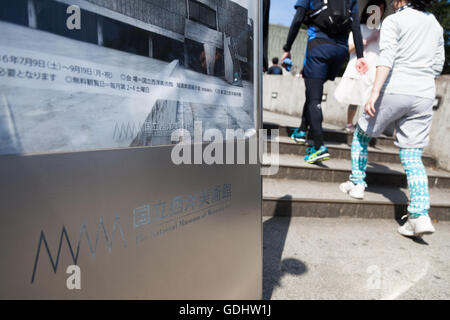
(83, 230)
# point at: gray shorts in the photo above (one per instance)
(411, 115)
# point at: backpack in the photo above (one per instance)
(333, 16)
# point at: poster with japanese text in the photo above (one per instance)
(84, 75)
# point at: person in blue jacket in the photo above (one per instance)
(275, 69)
(325, 55)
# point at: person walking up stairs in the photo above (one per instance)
(411, 57)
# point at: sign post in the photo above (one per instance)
(120, 171)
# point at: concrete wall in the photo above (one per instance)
(286, 95)
(233, 21)
(167, 14)
(169, 18)
(440, 131)
(171, 15)
(277, 39)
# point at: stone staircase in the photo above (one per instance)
(302, 189)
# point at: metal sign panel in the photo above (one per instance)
(91, 93)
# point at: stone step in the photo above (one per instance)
(293, 167)
(343, 151)
(282, 197)
(330, 135)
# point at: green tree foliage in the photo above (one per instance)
(441, 10)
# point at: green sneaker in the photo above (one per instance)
(299, 136)
(315, 156)
(310, 150)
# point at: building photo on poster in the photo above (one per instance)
(90, 74)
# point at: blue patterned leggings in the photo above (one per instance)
(411, 160)
(359, 154)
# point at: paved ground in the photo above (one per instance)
(344, 258)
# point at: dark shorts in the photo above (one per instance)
(324, 60)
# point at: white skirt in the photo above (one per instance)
(354, 91)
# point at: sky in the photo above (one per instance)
(282, 12)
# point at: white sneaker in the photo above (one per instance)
(417, 227)
(357, 192)
(354, 190)
(346, 186)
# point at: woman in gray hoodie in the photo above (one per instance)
(411, 57)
